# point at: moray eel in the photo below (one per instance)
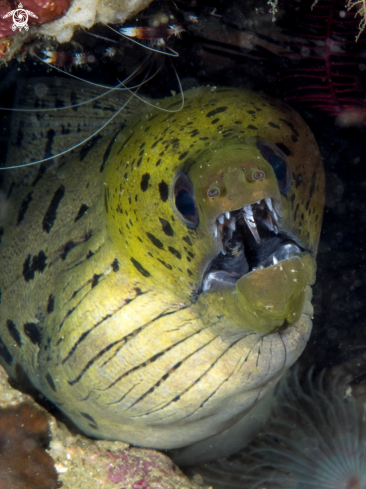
(156, 286)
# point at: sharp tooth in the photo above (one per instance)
(258, 201)
(269, 204)
(215, 230)
(275, 261)
(232, 223)
(275, 229)
(221, 219)
(249, 219)
(227, 215)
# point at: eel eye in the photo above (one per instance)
(280, 164)
(182, 200)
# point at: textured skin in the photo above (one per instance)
(99, 277)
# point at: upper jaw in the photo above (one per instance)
(251, 238)
(265, 210)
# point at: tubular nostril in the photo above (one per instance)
(258, 175)
(214, 192)
(253, 174)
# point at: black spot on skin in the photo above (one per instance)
(90, 418)
(50, 382)
(302, 216)
(299, 179)
(237, 122)
(156, 142)
(94, 426)
(216, 111)
(294, 138)
(194, 133)
(95, 280)
(41, 172)
(23, 207)
(251, 111)
(192, 255)
(33, 333)
(183, 155)
(252, 127)
(312, 185)
(139, 161)
(295, 213)
(284, 148)
(168, 230)
(14, 333)
(106, 154)
(51, 213)
(1, 233)
(115, 265)
(158, 162)
(292, 200)
(48, 149)
(50, 303)
(30, 266)
(291, 126)
(155, 241)
(215, 121)
(166, 265)
(5, 353)
(89, 146)
(189, 272)
(275, 126)
(68, 247)
(82, 210)
(163, 190)
(187, 239)
(145, 182)
(140, 268)
(175, 252)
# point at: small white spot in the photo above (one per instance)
(61, 469)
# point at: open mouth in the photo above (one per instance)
(251, 239)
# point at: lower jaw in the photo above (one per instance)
(267, 299)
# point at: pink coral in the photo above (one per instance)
(150, 472)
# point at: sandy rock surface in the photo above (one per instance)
(83, 463)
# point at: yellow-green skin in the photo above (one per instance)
(100, 308)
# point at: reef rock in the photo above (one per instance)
(80, 463)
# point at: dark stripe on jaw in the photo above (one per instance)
(93, 360)
(133, 334)
(167, 374)
(51, 213)
(213, 392)
(86, 333)
(50, 382)
(88, 256)
(195, 382)
(88, 417)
